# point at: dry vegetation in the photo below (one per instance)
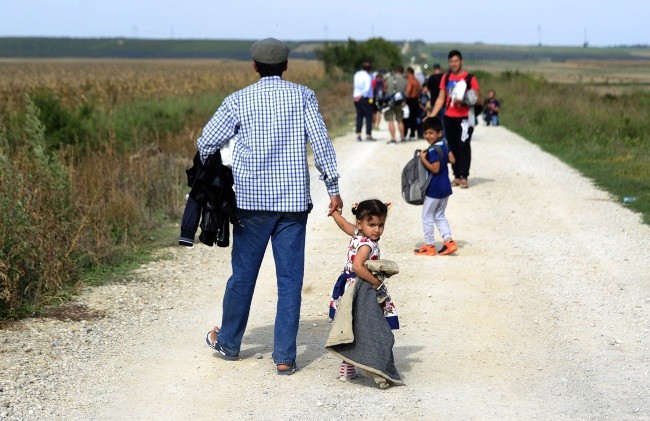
(604, 77)
(100, 203)
(113, 81)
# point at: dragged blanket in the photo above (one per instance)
(360, 334)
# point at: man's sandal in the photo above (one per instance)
(211, 338)
(289, 370)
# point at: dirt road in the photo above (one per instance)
(542, 313)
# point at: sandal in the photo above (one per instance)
(211, 338)
(287, 371)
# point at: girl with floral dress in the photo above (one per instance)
(364, 245)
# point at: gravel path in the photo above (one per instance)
(542, 313)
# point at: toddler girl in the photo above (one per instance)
(364, 245)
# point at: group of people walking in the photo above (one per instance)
(266, 126)
(450, 96)
(387, 95)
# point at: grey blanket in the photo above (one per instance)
(360, 334)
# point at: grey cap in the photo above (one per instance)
(270, 51)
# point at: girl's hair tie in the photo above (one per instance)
(388, 205)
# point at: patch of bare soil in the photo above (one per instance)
(74, 312)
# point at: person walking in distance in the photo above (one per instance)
(455, 95)
(378, 90)
(413, 102)
(272, 121)
(433, 84)
(491, 107)
(362, 95)
(395, 86)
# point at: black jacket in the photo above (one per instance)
(212, 198)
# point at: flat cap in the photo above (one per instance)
(270, 51)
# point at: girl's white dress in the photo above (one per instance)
(348, 277)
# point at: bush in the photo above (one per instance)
(348, 58)
(64, 127)
(35, 258)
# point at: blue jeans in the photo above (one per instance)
(287, 231)
(491, 119)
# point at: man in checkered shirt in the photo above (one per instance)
(271, 122)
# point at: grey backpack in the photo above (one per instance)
(416, 178)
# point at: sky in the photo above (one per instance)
(601, 23)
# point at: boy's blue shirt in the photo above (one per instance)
(439, 186)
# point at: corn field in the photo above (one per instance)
(94, 152)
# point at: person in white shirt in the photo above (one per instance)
(362, 96)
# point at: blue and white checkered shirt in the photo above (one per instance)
(271, 122)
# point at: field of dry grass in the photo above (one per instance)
(126, 132)
(110, 82)
(605, 77)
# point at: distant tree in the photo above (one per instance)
(348, 57)
(416, 48)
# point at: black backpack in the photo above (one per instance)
(478, 107)
(416, 178)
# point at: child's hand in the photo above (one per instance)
(336, 205)
(424, 158)
(335, 212)
(382, 294)
(342, 223)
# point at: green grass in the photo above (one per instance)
(144, 121)
(606, 138)
(145, 252)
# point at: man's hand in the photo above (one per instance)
(336, 205)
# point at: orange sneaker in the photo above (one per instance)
(448, 247)
(426, 250)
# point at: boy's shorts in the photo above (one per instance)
(394, 113)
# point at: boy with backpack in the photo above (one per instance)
(435, 160)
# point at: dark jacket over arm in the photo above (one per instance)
(212, 199)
